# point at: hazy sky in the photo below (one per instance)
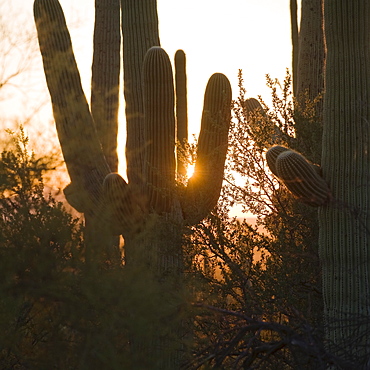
(216, 35)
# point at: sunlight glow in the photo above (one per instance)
(190, 170)
(218, 37)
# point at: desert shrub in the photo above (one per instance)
(260, 302)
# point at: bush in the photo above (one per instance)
(57, 311)
(260, 303)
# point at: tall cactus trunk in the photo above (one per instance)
(311, 50)
(181, 111)
(105, 76)
(155, 255)
(308, 75)
(345, 224)
(104, 108)
(140, 32)
(295, 41)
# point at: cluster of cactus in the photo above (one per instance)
(90, 172)
(152, 208)
(302, 178)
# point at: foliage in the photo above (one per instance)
(39, 243)
(265, 311)
(260, 306)
(55, 311)
(256, 289)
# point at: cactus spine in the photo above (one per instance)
(344, 230)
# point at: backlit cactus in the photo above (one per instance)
(126, 212)
(85, 160)
(344, 226)
(181, 110)
(205, 185)
(344, 222)
(260, 128)
(159, 129)
(105, 77)
(150, 210)
(158, 143)
(301, 179)
(252, 105)
(298, 175)
(271, 156)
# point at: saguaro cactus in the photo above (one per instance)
(345, 229)
(150, 211)
(85, 160)
(308, 48)
(105, 77)
(308, 66)
(344, 222)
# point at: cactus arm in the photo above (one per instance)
(251, 105)
(262, 131)
(295, 40)
(344, 230)
(140, 32)
(181, 110)
(204, 186)
(301, 178)
(81, 148)
(105, 76)
(158, 96)
(271, 156)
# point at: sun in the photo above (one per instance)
(190, 170)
